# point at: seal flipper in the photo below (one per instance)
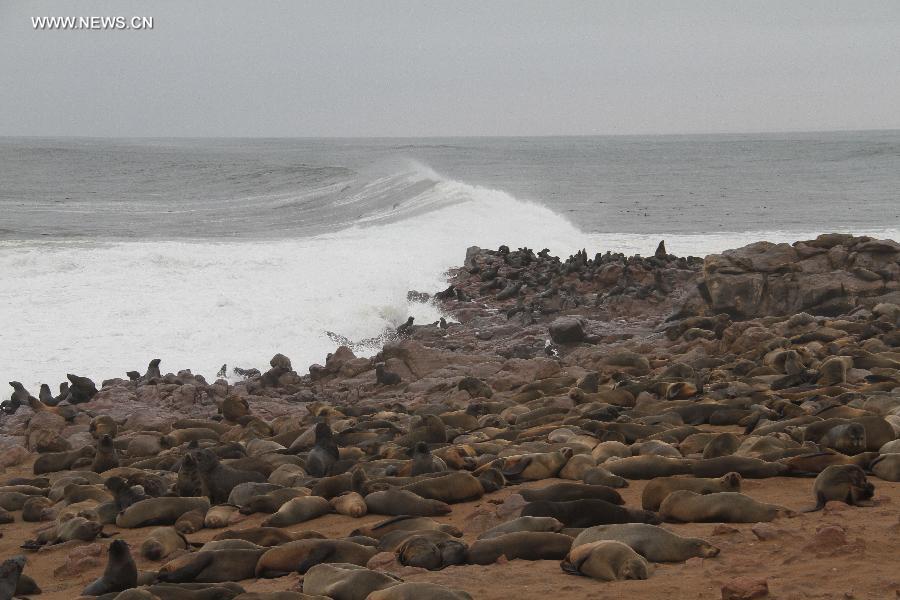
(569, 568)
(820, 504)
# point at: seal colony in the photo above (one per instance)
(609, 422)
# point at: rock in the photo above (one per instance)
(280, 361)
(765, 531)
(745, 588)
(722, 529)
(11, 456)
(567, 330)
(81, 559)
(43, 433)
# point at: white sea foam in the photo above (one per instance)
(101, 309)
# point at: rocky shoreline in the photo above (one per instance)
(760, 367)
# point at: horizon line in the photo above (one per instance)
(425, 137)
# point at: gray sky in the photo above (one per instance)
(421, 68)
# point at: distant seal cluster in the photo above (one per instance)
(527, 400)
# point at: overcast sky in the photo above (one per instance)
(429, 68)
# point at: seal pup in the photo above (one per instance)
(120, 573)
(324, 453)
(846, 483)
(607, 561)
(424, 462)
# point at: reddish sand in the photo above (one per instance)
(796, 563)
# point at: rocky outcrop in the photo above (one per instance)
(827, 276)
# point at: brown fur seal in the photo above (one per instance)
(724, 444)
(653, 543)
(261, 536)
(212, 566)
(403, 502)
(345, 581)
(648, 467)
(587, 513)
(301, 555)
(456, 486)
(120, 573)
(350, 504)
(720, 507)
(324, 454)
(849, 438)
(657, 490)
(10, 574)
(533, 467)
(523, 524)
(563, 492)
(190, 522)
(887, 467)
(418, 591)
(600, 476)
(106, 457)
(404, 523)
(846, 483)
(159, 511)
(51, 462)
(419, 551)
(525, 545)
(222, 515)
(606, 561)
(298, 510)
(220, 479)
(270, 502)
(745, 466)
(103, 425)
(161, 542)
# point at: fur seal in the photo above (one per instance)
(10, 572)
(653, 543)
(220, 479)
(53, 462)
(525, 545)
(657, 490)
(846, 483)
(385, 377)
(404, 502)
(424, 462)
(606, 561)
(350, 504)
(523, 524)
(106, 457)
(848, 439)
(324, 453)
(719, 507)
(887, 467)
(745, 466)
(563, 492)
(301, 555)
(298, 510)
(261, 536)
(124, 495)
(533, 467)
(212, 566)
(222, 515)
(648, 467)
(161, 542)
(159, 511)
(587, 513)
(120, 573)
(345, 581)
(404, 523)
(455, 486)
(419, 551)
(103, 425)
(418, 591)
(600, 476)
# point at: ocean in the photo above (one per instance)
(205, 252)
